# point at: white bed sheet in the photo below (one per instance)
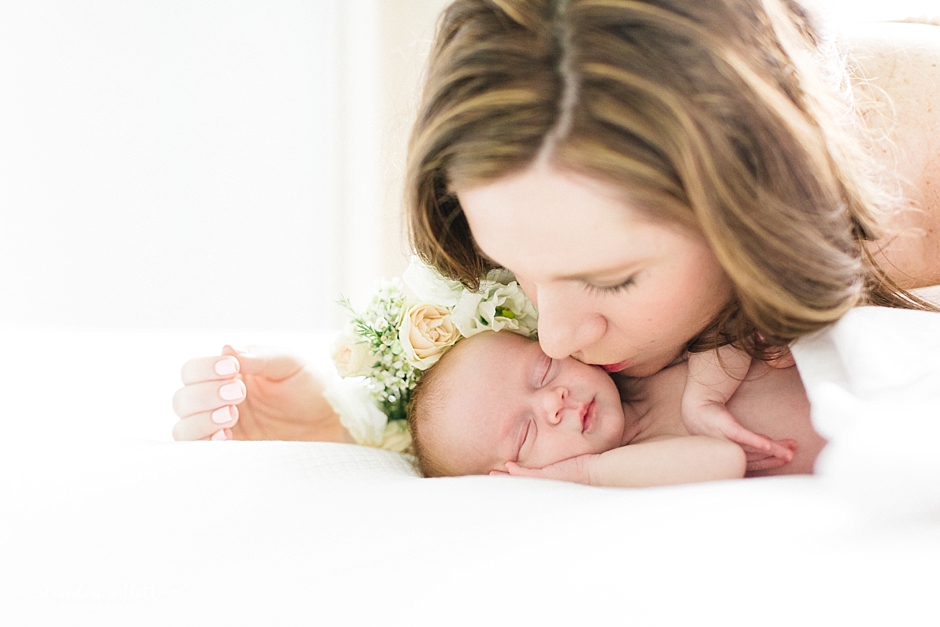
(104, 520)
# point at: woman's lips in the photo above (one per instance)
(617, 367)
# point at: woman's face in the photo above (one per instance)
(612, 287)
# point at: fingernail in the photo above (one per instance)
(223, 415)
(225, 367)
(219, 435)
(232, 391)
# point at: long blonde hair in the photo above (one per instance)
(713, 115)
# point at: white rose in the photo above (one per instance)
(429, 286)
(499, 275)
(358, 413)
(397, 437)
(466, 315)
(496, 307)
(351, 355)
(425, 333)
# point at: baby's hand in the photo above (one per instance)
(713, 378)
(762, 453)
(574, 469)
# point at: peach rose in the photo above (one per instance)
(425, 333)
(351, 356)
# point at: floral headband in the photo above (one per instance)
(403, 332)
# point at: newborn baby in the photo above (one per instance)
(495, 403)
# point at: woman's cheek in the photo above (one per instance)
(529, 290)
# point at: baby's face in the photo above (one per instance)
(504, 400)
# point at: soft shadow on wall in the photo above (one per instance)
(200, 165)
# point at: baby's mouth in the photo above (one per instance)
(587, 416)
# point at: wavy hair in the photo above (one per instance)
(715, 115)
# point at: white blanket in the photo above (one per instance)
(104, 520)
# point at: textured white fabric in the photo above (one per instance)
(105, 521)
(873, 381)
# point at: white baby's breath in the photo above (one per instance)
(399, 336)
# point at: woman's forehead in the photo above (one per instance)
(552, 221)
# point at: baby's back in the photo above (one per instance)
(772, 401)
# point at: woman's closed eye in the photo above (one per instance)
(609, 289)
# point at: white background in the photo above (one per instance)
(202, 164)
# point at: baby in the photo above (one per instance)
(496, 404)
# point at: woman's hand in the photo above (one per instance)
(258, 394)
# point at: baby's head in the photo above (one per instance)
(496, 397)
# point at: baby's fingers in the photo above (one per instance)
(783, 449)
(209, 369)
(516, 470)
(210, 425)
(747, 439)
(756, 442)
(782, 452)
(767, 463)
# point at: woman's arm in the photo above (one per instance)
(898, 70)
(666, 460)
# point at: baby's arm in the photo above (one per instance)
(667, 460)
(714, 376)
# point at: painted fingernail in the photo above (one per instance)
(223, 415)
(225, 367)
(234, 391)
(219, 435)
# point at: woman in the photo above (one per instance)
(661, 176)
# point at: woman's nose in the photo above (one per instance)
(565, 327)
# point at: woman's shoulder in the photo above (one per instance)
(896, 70)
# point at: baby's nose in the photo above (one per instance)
(555, 405)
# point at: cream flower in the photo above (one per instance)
(351, 355)
(358, 413)
(429, 286)
(426, 332)
(495, 307)
(397, 437)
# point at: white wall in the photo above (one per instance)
(207, 164)
(874, 10)
(162, 164)
(383, 47)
